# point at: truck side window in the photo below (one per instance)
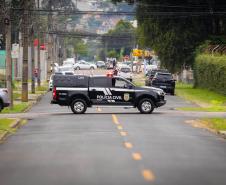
(100, 82)
(119, 83)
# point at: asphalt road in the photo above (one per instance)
(112, 146)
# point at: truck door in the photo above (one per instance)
(123, 92)
(99, 91)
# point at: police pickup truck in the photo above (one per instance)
(80, 92)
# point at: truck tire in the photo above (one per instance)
(77, 68)
(91, 68)
(146, 106)
(79, 106)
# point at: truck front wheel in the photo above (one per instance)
(145, 106)
(78, 106)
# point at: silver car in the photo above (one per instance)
(4, 98)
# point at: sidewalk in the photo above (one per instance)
(8, 122)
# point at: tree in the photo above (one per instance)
(112, 54)
(122, 37)
(80, 48)
(59, 4)
(175, 29)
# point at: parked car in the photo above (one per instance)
(4, 98)
(164, 81)
(54, 67)
(100, 64)
(51, 82)
(66, 68)
(123, 64)
(66, 63)
(84, 65)
(126, 73)
(150, 75)
(58, 73)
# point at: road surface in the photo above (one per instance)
(112, 146)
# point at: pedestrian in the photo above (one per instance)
(114, 63)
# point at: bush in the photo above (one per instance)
(210, 73)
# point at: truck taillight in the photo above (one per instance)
(110, 74)
(54, 93)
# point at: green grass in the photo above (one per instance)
(16, 95)
(5, 125)
(42, 88)
(208, 100)
(18, 108)
(203, 109)
(218, 124)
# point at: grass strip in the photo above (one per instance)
(17, 108)
(42, 88)
(5, 125)
(207, 100)
(203, 109)
(218, 124)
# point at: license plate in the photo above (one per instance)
(164, 87)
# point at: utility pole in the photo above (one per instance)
(32, 62)
(38, 48)
(50, 40)
(76, 4)
(32, 53)
(25, 52)
(8, 27)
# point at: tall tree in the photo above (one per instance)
(121, 37)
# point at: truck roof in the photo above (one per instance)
(70, 81)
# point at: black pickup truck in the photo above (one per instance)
(80, 92)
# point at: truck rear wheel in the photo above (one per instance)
(78, 106)
(145, 106)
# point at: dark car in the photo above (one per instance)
(150, 75)
(164, 81)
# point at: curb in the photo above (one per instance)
(201, 125)
(15, 124)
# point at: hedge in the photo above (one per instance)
(210, 73)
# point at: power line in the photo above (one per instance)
(77, 12)
(125, 13)
(92, 35)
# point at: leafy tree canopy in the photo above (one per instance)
(121, 37)
(175, 28)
